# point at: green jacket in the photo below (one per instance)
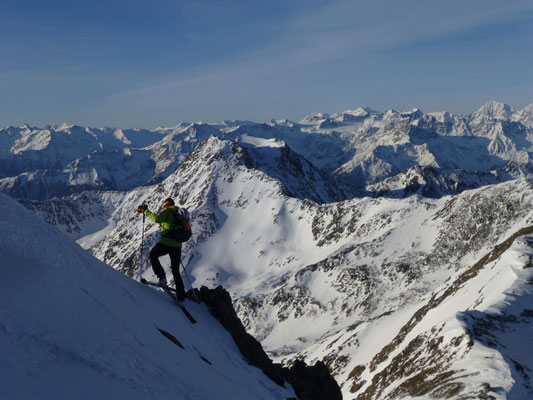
(166, 219)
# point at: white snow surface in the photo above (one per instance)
(71, 327)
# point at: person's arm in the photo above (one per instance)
(161, 219)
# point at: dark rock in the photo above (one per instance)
(314, 382)
(220, 306)
(309, 383)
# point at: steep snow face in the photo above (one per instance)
(494, 110)
(72, 327)
(525, 116)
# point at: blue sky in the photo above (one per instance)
(156, 63)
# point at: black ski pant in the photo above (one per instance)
(175, 258)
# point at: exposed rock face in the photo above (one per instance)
(312, 382)
(309, 382)
(220, 306)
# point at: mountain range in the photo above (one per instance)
(395, 247)
(357, 147)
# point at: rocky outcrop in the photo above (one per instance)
(309, 382)
(312, 382)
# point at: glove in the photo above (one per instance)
(142, 208)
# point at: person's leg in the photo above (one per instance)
(158, 251)
(175, 258)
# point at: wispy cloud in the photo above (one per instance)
(311, 46)
(351, 26)
(346, 28)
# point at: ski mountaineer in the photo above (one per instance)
(167, 245)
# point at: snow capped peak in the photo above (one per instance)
(496, 110)
(389, 113)
(413, 113)
(314, 118)
(357, 115)
(281, 122)
(525, 115)
(368, 110)
(360, 112)
(443, 117)
(528, 109)
(65, 127)
(180, 126)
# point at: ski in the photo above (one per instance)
(188, 314)
(156, 285)
(171, 292)
(183, 309)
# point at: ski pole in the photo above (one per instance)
(190, 283)
(142, 245)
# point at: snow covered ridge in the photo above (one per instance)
(443, 353)
(356, 146)
(71, 327)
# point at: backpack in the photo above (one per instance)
(182, 227)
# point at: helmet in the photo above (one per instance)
(167, 203)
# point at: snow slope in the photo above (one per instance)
(72, 327)
(470, 339)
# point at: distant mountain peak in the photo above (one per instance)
(496, 110)
(314, 118)
(443, 116)
(525, 115)
(414, 112)
(528, 108)
(361, 111)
